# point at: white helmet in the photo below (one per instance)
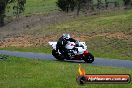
(66, 36)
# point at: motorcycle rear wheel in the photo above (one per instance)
(57, 55)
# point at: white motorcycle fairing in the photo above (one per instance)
(71, 45)
(53, 44)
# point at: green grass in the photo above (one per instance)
(120, 2)
(30, 49)
(44, 6)
(110, 48)
(100, 46)
(40, 6)
(28, 73)
(36, 7)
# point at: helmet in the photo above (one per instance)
(66, 36)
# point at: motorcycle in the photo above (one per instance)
(75, 51)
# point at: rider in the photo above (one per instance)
(62, 42)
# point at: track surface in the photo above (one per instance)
(97, 62)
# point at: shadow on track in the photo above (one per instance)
(73, 61)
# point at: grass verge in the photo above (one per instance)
(28, 73)
(41, 49)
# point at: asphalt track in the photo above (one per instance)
(97, 62)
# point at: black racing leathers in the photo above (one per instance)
(61, 45)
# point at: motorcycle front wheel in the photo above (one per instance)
(88, 58)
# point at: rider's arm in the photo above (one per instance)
(72, 40)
